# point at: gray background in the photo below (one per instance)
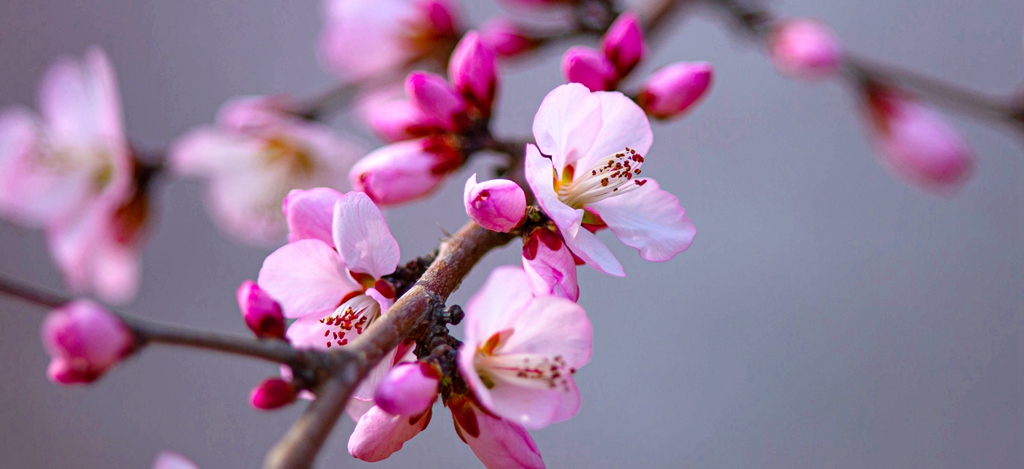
(827, 315)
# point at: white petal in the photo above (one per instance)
(650, 220)
(567, 123)
(362, 236)
(623, 124)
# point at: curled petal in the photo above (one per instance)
(310, 214)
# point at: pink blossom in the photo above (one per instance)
(590, 68)
(261, 313)
(595, 144)
(673, 90)
(521, 350)
(497, 204)
(917, 144)
(473, 70)
(497, 442)
(505, 37)
(334, 287)
(550, 265)
(172, 460)
(379, 434)
(399, 120)
(805, 48)
(364, 38)
(623, 44)
(272, 393)
(408, 389)
(255, 154)
(84, 341)
(407, 170)
(437, 100)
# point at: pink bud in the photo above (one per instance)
(623, 44)
(399, 120)
(588, 67)
(440, 15)
(550, 265)
(261, 312)
(407, 170)
(408, 389)
(497, 204)
(473, 70)
(804, 48)
(84, 340)
(672, 90)
(916, 143)
(505, 37)
(272, 393)
(438, 101)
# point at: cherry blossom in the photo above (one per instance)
(805, 48)
(497, 442)
(585, 173)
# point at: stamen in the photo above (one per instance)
(355, 314)
(610, 176)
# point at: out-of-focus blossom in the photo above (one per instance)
(497, 204)
(439, 102)
(172, 460)
(255, 154)
(805, 48)
(672, 90)
(623, 44)
(408, 389)
(497, 442)
(521, 350)
(590, 68)
(916, 143)
(261, 313)
(406, 170)
(84, 340)
(595, 144)
(365, 38)
(550, 265)
(505, 37)
(333, 286)
(272, 393)
(473, 70)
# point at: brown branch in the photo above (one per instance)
(300, 445)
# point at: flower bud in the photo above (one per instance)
(804, 48)
(550, 265)
(84, 340)
(408, 389)
(439, 102)
(473, 70)
(404, 171)
(505, 37)
(272, 393)
(441, 17)
(399, 120)
(261, 312)
(623, 44)
(672, 90)
(916, 143)
(497, 204)
(588, 67)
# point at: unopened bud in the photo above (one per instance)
(497, 204)
(261, 312)
(408, 389)
(473, 70)
(623, 44)
(672, 90)
(505, 37)
(590, 68)
(804, 48)
(404, 171)
(272, 393)
(437, 100)
(441, 17)
(84, 340)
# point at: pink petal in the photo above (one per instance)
(540, 177)
(592, 250)
(494, 306)
(527, 402)
(498, 443)
(306, 277)
(117, 272)
(567, 124)
(310, 213)
(550, 265)
(551, 326)
(209, 151)
(623, 124)
(650, 220)
(362, 236)
(171, 460)
(379, 434)
(79, 100)
(362, 39)
(245, 204)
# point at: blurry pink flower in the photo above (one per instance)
(917, 144)
(408, 389)
(272, 393)
(407, 170)
(804, 48)
(672, 90)
(623, 44)
(590, 68)
(84, 340)
(505, 37)
(473, 70)
(333, 286)
(591, 148)
(254, 155)
(172, 460)
(497, 204)
(438, 101)
(521, 350)
(550, 265)
(399, 120)
(262, 314)
(498, 443)
(364, 38)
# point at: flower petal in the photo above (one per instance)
(310, 214)
(495, 305)
(379, 434)
(623, 124)
(306, 277)
(171, 460)
(530, 403)
(540, 177)
(209, 151)
(498, 443)
(594, 253)
(567, 124)
(362, 236)
(551, 326)
(650, 220)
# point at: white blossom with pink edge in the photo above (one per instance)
(328, 276)
(585, 173)
(521, 350)
(255, 154)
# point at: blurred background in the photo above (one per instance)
(827, 316)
